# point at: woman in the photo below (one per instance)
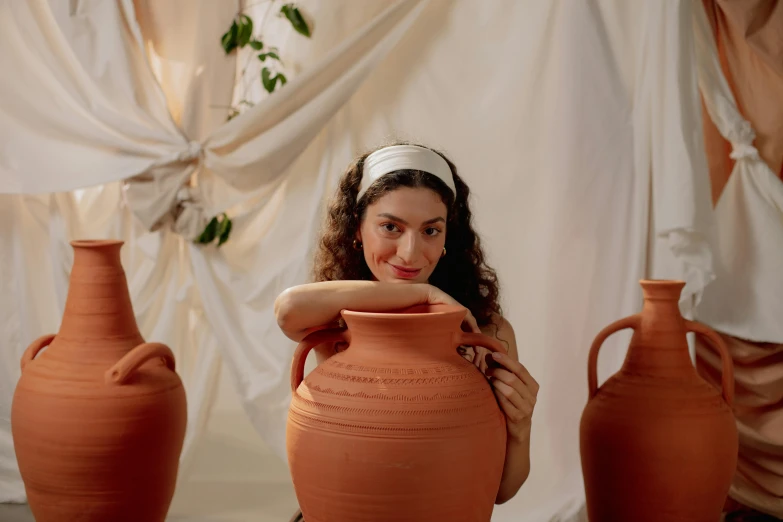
(399, 233)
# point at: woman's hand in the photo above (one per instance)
(476, 354)
(516, 391)
(437, 296)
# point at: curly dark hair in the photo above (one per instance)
(463, 273)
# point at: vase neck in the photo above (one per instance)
(410, 338)
(98, 306)
(659, 345)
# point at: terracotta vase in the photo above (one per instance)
(98, 417)
(397, 427)
(657, 441)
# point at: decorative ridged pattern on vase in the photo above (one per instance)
(397, 427)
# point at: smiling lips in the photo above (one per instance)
(405, 273)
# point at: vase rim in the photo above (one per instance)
(408, 313)
(95, 243)
(661, 282)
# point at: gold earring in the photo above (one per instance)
(444, 252)
(357, 245)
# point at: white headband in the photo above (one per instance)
(398, 157)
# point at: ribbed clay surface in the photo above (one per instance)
(91, 449)
(657, 441)
(398, 427)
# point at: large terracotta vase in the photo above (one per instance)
(397, 427)
(657, 441)
(98, 417)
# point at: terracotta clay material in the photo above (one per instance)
(657, 441)
(98, 417)
(397, 427)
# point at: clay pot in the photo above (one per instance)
(98, 418)
(657, 441)
(398, 426)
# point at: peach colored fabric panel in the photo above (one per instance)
(749, 37)
(758, 393)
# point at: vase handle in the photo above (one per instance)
(727, 378)
(632, 321)
(35, 347)
(131, 361)
(479, 339)
(332, 335)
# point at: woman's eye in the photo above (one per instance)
(432, 231)
(389, 227)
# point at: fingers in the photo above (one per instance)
(514, 414)
(519, 370)
(514, 383)
(437, 296)
(480, 359)
(474, 324)
(482, 362)
(471, 322)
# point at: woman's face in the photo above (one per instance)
(403, 235)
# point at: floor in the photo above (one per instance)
(234, 479)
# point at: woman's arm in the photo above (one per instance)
(300, 309)
(516, 391)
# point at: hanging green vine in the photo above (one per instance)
(240, 35)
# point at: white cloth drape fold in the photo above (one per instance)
(98, 131)
(665, 110)
(745, 300)
(91, 107)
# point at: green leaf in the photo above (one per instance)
(209, 232)
(225, 230)
(270, 54)
(282, 78)
(267, 80)
(297, 20)
(229, 38)
(245, 33)
(256, 44)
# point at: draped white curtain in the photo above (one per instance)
(576, 124)
(99, 119)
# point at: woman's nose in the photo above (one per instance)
(409, 248)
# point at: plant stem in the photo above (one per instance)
(253, 5)
(245, 81)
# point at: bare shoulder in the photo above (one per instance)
(501, 329)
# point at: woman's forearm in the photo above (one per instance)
(516, 468)
(304, 307)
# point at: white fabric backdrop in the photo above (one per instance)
(195, 319)
(576, 124)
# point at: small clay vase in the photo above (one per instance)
(98, 417)
(398, 426)
(657, 441)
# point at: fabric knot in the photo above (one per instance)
(193, 152)
(743, 151)
(741, 135)
(189, 214)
